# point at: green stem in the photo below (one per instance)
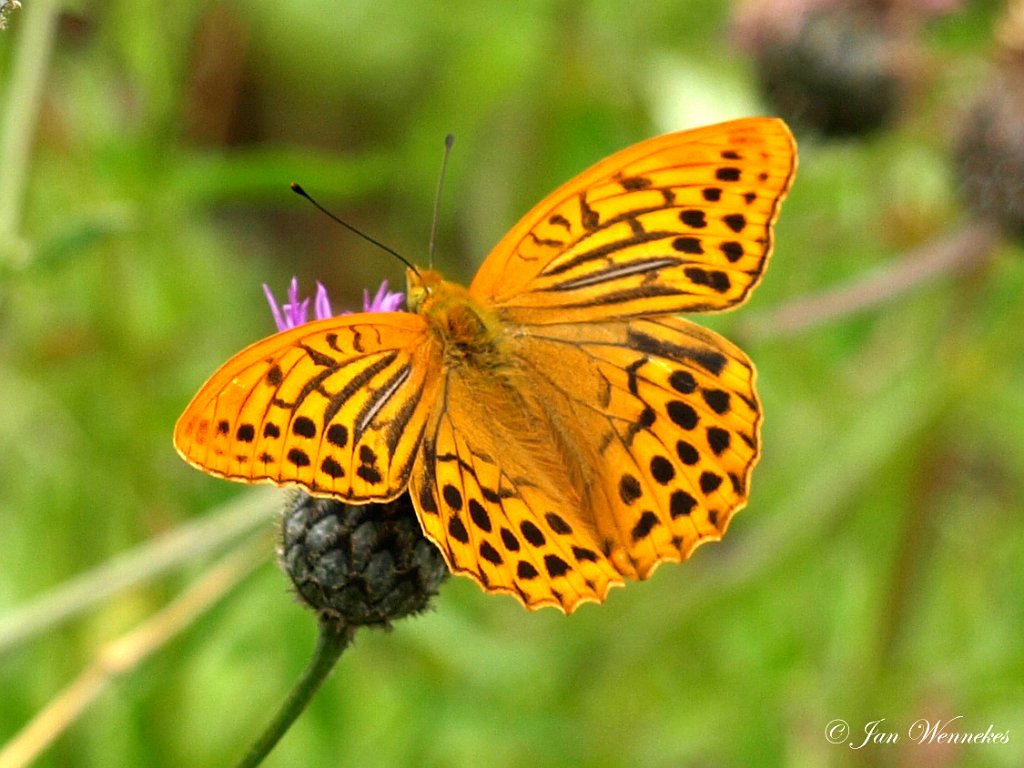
(329, 646)
(18, 128)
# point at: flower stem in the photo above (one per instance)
(329, 646)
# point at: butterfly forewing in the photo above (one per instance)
(337, 407)
(670, 413)
(679, 223)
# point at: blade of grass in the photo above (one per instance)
(223, 526)
(17, 130)
(126, 653)
(959, 251)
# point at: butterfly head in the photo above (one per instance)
(420, 287)
(467, 329)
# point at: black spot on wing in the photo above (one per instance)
(718, 440)
(682, 382)
(731, 250)
(509, 540)
(555, 566)
(332, 468)
(693, 218)
(274, 376)
(715, 279)
(526, 571)
(711, 361)
(629, 489)
(662, 470)
(557, 523)
(490, 554)
(717, 400)
(303, 426)
(457, 529)
(681, 503)
(337, 435)
(682, 414)
(691, 245)
(478, 514)
(584, 554)
(588, 216)
(532, 533)
(634, 183)
(298, 457)
(452, 497)
(687, 453)
(709, 482)
(648, 521)
(735, 221)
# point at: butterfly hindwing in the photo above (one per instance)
(678, 223)
(603, 450)
(337, 406)
(668, 414)
(498, 498)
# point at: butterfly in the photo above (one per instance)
(558, 427)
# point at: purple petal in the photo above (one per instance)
(383, 301)
(392, 302)
(301, 312)
(322, 305)
(296, 311)
(278, 320)
(381, 294)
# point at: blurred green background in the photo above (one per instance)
(876, 573)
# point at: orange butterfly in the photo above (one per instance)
(559, 429)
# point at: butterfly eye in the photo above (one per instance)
(417, 295)
(421, 286)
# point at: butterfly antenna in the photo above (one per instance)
(298, 190)
(449, 141)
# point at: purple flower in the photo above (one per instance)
(296, 311)
(383, 301)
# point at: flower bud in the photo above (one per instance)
(359, 564)
(990, 151)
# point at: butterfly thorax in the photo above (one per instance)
(470, 333)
